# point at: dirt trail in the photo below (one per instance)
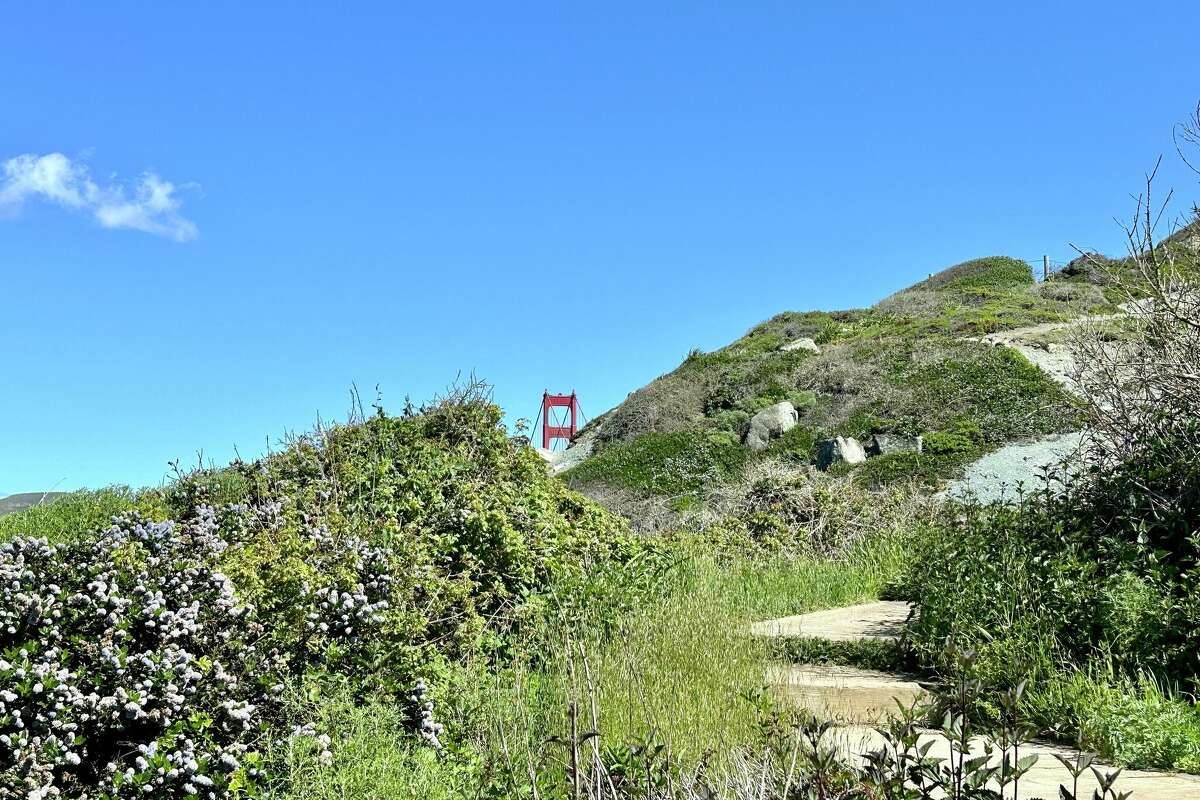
(999, 475)
(1054, 358)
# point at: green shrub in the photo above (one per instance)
(1064, 291)
(994, 391)
(735, 421)
(1135, 722)
(757, 342)
(926, 469)
(1101, 566)
(664, 463)
(948, 444)
(723, 396)
(878, 654)
(802, 398)
(1142, 728)
(363, 556)
(864, 422)
(990, 272)
(796, 445)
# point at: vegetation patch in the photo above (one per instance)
(993, 393)
(993, 272)
(72, 515)
(664, 463)
(365, 558)
(1135, 721)
(881, 655)
(923, 469)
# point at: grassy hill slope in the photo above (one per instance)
(908, 365)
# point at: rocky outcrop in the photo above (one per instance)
(771, 423)
(801, 344)
(843, 449)
(884, 443)
(562, 460)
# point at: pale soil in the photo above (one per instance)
(1048, 345)
(563, 460)
(1000, 475)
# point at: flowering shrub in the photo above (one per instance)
(130, 664)
(124, 665)
(149, 659)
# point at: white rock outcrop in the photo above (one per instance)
(842, 449)
(771, 423)
(802, 344)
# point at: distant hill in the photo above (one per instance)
(17, 502)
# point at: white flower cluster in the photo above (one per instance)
(130, 667)
(341, 613)
(422, 712)
(116, 640)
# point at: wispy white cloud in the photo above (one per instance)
(150, 205)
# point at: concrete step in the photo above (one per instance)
(1044, 779)
(843, 694)
(883, 620)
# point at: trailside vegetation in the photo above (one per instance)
(153, 653)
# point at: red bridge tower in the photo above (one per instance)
(558, 430)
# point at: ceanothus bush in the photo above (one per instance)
(152, 659)
(129, 667)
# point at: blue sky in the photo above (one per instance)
(253, 208)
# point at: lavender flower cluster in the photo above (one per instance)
(130, 668)
(421, 713)
(339, 613)
(119, 639)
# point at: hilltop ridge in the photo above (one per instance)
(914, 364)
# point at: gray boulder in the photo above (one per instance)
(771, 423)
(802, 344)
(884, 443)
(842, 449)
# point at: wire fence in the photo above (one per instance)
(1044, 267)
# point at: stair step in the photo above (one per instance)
(843, 694)
(881, 621)
(1043, 779)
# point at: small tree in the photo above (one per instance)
(1144, 383)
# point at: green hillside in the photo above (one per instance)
(910, 365)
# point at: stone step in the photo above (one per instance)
(842, 694)
(1045, 777)
(882, 620)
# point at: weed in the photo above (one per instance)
(883, 655)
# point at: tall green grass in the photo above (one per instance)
(1139, 722)
(371, 756)
(675, 669)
